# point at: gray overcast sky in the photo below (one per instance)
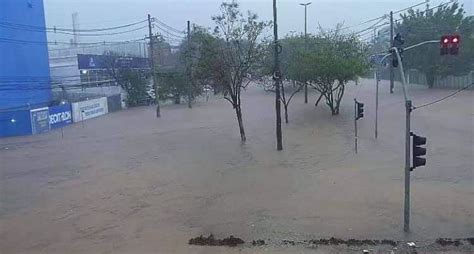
(327, 13)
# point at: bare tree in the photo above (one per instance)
(236, 51)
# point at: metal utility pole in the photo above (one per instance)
(408, 109)
(376, 76)
(152, 63)
(391, 46)
(375, 35)
(188, 66)
(406, 207)
(277, 77)
(305, 43)
(75, 27)
(355, 125)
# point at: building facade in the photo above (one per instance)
(24, 67)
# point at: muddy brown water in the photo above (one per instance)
(130, 183)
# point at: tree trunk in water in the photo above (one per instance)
(158, 112)
(286, 113)
(430, 79)
(238, 112)
(177, 98)
(320, 97)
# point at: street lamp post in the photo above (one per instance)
(305, 43)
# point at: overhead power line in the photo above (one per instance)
(41, 28)
(168, 32)
(444, 98)
(429, 9)
(15, 41)
(168, 26)
(382, 17)
(72, 33)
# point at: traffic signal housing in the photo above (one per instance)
(398, 42)
(455, 40)
(360, 110)
(418, 151)
(444, 45)
(449, 44)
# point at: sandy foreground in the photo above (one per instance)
(130, 183)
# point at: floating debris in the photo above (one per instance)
(448, 242)
(231, 241)
(258, 242)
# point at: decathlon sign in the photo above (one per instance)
(60, 115)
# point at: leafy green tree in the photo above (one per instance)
(328, 63)
(133, 82)
(289, 45)
(230, 58)
(205, 70)
(173, 84)
(191, 54)
(418, 26)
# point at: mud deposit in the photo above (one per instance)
(231, 241)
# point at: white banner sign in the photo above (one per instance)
(89, 109)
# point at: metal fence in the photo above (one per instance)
(449, 82)
(415, 77)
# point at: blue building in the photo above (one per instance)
(24, 67)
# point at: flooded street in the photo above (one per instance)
(130, 183)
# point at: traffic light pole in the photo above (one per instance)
(376, 76)
(355, 125)
(408, 109)
(406, 206)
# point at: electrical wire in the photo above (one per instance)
(96, 45)
(168, 33)
(15, 41)
(371, 28)
(78, 34)
(382, 17)
(429, 9)
(168, 26)
(43, 29)
(444, 98)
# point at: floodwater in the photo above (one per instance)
(130, 183)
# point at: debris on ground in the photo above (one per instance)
(353, 242)
(448, 242)
(231, 241)
(258, 242)
(411, 244)
(470, 240)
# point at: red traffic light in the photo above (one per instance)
(449, 44)
(455, 39)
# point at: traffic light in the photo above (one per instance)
(398, 42)
(444, 45)
(455, 39)
(360, 110)
(418, 151)
(449, 44)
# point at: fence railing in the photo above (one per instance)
(415, 77)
